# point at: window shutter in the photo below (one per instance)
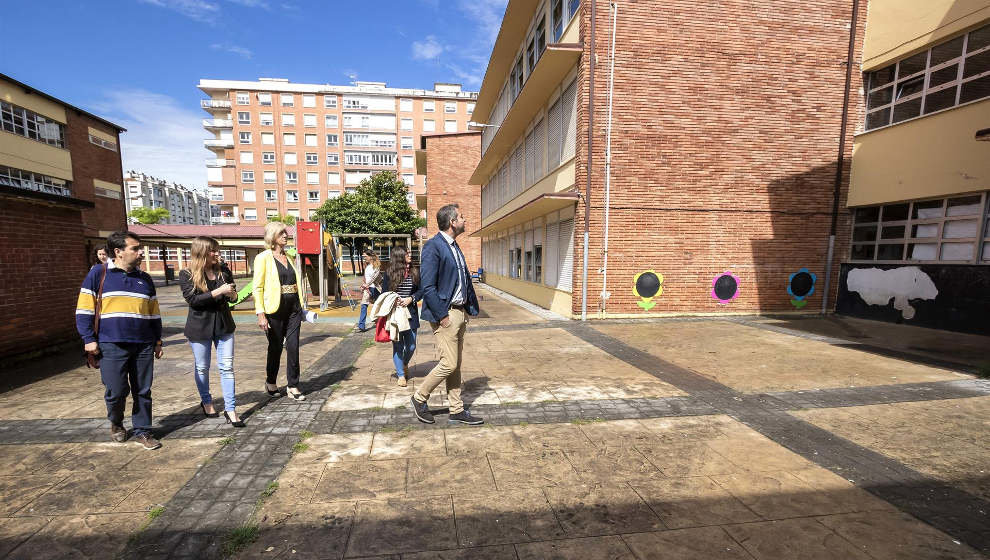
(555, 134)
(569, 126)
(517, 172)
(550, 256)
(565, 247)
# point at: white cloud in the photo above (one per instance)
(163, 138)
(487, 15)
(243, 52)
(251, 3)
(199, 10)
(428, 49)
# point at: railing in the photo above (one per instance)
(213, 162)
(218, 143)
(214, 103)
(224, 220)
(218, 123)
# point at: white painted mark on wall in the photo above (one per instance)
(878, 287)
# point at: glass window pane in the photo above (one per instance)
(892, 232)
(910, 87)
(878, 119)
(976, 64)
(943, 76)
(907, 110)
(964, 206)
(975, 89)
(940, 100)
(978, 38)
(865, 233)
(879, 98)
(958, 229)
(946, 51)
(912, 65)
(893, 252)
(868, 214)
(957, 251)
(920, 231)
(895, 212)
(862, 252)
(927, 209)
(882, 76)
(923, 251)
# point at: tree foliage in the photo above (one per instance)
(379, 205)
(286, 219)
(149, 216)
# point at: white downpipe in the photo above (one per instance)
(608, 161)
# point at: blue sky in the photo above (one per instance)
(137, 62)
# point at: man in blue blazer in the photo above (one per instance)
(448, 299)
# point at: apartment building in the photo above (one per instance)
(689, 166)
(60, 196)
(184, 205)
(285, 148)
(920, 179)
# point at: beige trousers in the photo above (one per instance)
(450, 343)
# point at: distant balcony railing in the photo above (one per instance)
(214, 103)
(213, 162)
(219, 143)
(224, 220)
(218, 123)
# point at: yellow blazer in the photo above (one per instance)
(267, 288)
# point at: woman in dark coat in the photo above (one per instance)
(402, 278)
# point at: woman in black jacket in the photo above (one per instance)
(208, 287)
(403, 278)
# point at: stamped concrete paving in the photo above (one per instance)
(603, 444)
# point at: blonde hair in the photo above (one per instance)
(272, 231)
(199, 251)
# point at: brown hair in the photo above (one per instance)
(397, 268)
(199, 251)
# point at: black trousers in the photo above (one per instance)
(283, 331)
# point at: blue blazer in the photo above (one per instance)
(438, 281)
(417, 295)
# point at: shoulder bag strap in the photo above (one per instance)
(99, 304)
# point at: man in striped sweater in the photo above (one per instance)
(130, 334)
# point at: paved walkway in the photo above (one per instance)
(682, 438)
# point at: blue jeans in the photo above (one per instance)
(363, 317)
(402, 351)
(128, 367)
(225, 363)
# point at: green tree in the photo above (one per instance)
(379, 205)
(286, 219)
(149, 215)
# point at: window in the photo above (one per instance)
(309, 121)
(268, 138)
(470, 108)
(409, 178)
(405, 105)
(333, 178)
(271, 195)
(407, 143)
(269, 177)
(267, 157)
(312, 158)
(330, 101)
(450, 107)
(332, 140)
(353, 177)
(333, 194)
(450, 126)
(271, 212)
(289, 139)
(313, 196)
(330, 121)
(406, 124)
(357, 158)
(266, 119)
(27, 180)
(286, 99)
(947, 229)
(265, 99)
(245, 137)
(429, 106)
(407, 162)
(383, 159)
(289, 158)
(243, 98)
(350, 190)
(516, 78)
(311, 140)
(102, 142)
(309, 100)
(292, 195)
(351, 103)
(247, 176)
(248, 195)
(333, 158)
(312, 178)
(534, 49)
(288, 119)
(429, 125)
(243, 117)
(948, 74)
(247, 157)
(250, 214)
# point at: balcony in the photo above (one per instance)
(213, 162)
(218, 123)
(224, 220)
(211, 104)
(218, 143)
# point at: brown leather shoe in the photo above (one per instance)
(147, 441)
(118, 433)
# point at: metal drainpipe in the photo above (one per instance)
(840, 159)
(608, 160)
(587, 187)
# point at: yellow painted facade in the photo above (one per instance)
(897, 28)
(103, 135)
(15, 94)
(107, 185)
(555, 300)
(931, 156)
(30, 155)
(558, 180)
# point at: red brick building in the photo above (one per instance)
(60, 196)
(448, 160)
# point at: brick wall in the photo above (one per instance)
(450, 160)
(725, 135)
(43, 261)
(89, 162)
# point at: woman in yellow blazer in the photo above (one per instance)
(278, 303)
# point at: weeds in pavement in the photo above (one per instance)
(580, 421)
(270, 489)
(524, 423)
(512, 403)
(225, 441)
(299, 447)
(306, 434)
(239, 538)
(367, 344)
(155, 512)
